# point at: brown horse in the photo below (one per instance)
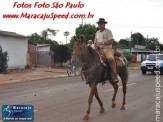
(94, 71)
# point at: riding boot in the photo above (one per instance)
(114, 72)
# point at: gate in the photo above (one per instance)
(43, 58)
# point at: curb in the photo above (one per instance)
(132, 68)
(47, 77)
(31, 79)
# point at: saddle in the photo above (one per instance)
(119, 58)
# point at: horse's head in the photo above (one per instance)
(78, 50)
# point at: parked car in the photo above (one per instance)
(153, 62)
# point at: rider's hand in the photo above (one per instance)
(98, 43)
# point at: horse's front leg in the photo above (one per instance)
(92, 92)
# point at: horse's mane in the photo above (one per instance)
(90, 50)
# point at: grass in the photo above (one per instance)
(134, 65)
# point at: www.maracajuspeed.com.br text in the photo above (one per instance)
(44, 16)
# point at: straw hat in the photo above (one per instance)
(90, 41)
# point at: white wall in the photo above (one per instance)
(138, 57)
(17, 51)
(44, 48)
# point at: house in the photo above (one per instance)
(43, 55)
(43, 47)
(16, 46)
(118, 49)
(139, 52)
(40, 55)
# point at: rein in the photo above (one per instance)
(92, 68)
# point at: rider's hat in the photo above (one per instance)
(101, 20)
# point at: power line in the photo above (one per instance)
(160, 27)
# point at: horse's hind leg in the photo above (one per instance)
(92, 92)
(124, 82)
(99, 101)
(115, 86)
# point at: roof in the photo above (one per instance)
(14, 34)
(157, 54)
(43, 45)
(32, 43)
(119, 47)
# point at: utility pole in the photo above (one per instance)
(82, 22)
(137, 47)
(146, 45)
(137, 39)
(130, 42)
(147, 40)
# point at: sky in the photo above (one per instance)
(123, 16)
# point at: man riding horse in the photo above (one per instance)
(104, 39)
(93, 69)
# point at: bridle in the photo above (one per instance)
(79, 57)
(86, 72)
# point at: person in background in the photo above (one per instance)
(90, 43)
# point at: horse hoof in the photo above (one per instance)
(113, 105)
(86, 117)
(122, 107)
(102, 110)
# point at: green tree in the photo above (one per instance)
(3, 61)
(124, 42)
(35, 38)
(70, 45)
(115, 43)
(152, 43)
(52, 32)
(43, 38)
(138, 39)
(161, 47)
(44, 35)
(87, 31)
(48, 32)
(66, 33)
(61, 54)
(52, 42)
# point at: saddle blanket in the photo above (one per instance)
(120, 60)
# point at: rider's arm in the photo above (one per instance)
(104, 43)
(108, 42)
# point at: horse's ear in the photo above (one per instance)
(75, 38)
(82, 39)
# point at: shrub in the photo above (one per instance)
(128, 55)
(61, 54)
(3, 61)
